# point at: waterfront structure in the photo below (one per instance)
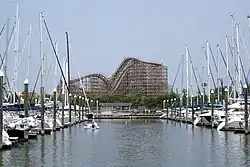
(132, 76)
(115, 107)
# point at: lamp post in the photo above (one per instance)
(163, 105)
(88, 106)
(202, 100)
(97, 107)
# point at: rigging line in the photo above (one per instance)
(223, 58)
(211, 71)
(3, 28)
(176, 75)
(34, 88)
(246, 51)
(199, 91)
(54, 50)
(236, 67)
(245, 77)
(8, 45)
(216, 67)
(7, 79)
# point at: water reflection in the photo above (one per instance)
(226, 148)
(42, 151)
(213, 148)
(69, 145)
(62, 147)
(54, 148)
(1, 159)
(246, 151)
(137, 143)
(193, 134)
(26, 154)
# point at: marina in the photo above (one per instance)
(62, 103)
(140, 142)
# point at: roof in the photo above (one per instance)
(115, 104)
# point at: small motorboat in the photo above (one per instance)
(92, 125)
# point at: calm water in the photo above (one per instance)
(132, 143)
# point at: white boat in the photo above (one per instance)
(235, 116)
(5, 139)
(92, 125)
(206, 117)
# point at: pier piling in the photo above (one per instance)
(83, 107)
(180, 108)
(63, 104)
(186, 118)
(246, 112)
(79, 110)
(26, 92)
(75, 106)
(70, 95)
(226, 109)
(171, 108)
(42, 110)
(54, 110)
(212, 107)
(167, 108)
(192, 99)
(175, 105)
(1, 108)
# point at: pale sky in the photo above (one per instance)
(103, 32)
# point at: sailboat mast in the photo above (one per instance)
(187, 61)
(42, 74)
(238, 56)
(228, 79)
(248, 18)
(28, 72)
(56, 45)
(41, 51)
(203, 86)
(56, 69)
(234, 60)
(68, 60)
(7, 45)
(208, 72)
(218, 74)
(182, 73)
(16, 51)
(63, 83)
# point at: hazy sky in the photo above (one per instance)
(103, 32)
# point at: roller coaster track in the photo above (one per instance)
(128, 61)
(97, 75)
(119, 79)
(123, 69)
(118, 76)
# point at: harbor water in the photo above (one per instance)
(132, 143)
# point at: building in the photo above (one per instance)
(115, 107)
